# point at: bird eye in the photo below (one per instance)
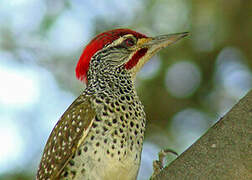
(129, 42)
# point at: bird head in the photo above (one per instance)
(121, 50)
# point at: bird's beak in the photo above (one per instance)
(154, 44)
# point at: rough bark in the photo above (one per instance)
(223, 152)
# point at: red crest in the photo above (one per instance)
(97, 44)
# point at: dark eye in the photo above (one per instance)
(129, 42)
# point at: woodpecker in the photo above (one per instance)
(100, 135)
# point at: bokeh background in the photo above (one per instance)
(185, 88)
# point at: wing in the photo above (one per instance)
(69, 132)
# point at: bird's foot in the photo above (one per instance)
(158, 165)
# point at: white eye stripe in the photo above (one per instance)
(119, 40)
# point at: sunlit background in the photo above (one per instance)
(185, 88)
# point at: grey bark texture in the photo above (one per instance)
(223, 152)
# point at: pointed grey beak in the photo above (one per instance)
(159, 42)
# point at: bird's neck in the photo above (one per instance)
(112, 83)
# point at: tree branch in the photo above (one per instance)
(223, 152)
